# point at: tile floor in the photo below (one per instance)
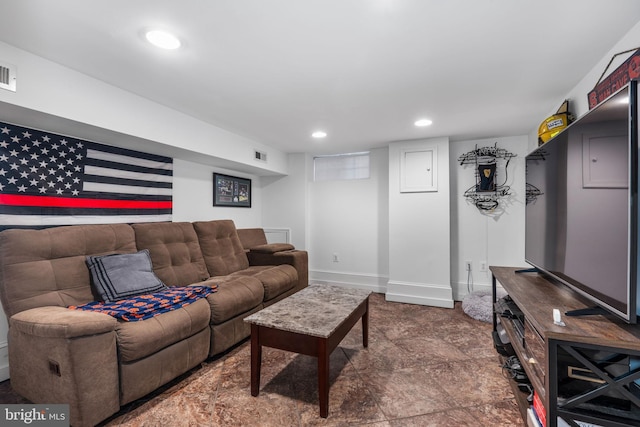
(424, 366)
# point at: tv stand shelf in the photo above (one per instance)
(583, 371)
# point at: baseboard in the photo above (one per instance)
(411, 293)
(368, 282)
(460, 289)
(420, 293)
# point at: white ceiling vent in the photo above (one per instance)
(7, 76)
(261, 156)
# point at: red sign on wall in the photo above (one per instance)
(628, 70)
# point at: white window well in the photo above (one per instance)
(341, 167)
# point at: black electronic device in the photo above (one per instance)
(582, 227)
(506, 308)
(501, 341)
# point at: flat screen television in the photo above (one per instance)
(582, 206)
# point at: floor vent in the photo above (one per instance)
(261, 156)
(7, 77)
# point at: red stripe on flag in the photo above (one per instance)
(68, 202)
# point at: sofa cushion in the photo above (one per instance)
(121, 276)
(140, 339)
(221, 247)
(276, 279)
(236, 295)
(175, 251)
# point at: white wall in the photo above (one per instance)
(419, 232)
(495, 237)
(193, 196)
(350, 218)
(577, 97)
(286, 199)
(50, 88)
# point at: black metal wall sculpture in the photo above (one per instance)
(486, 193)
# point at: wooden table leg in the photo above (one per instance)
(365, 325)
(256, 359)
(323, 377)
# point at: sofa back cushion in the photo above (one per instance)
(47, 267)
(221, 247)
(175, 251)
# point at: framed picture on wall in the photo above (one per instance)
(231, 191)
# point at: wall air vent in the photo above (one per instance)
(261, 156)
(7, 76)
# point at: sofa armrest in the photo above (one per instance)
(60, 322)
(271, 248)
(57, 355)
(297, 258)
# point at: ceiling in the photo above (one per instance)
(361, 70)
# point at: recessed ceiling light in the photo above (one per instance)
(423, 122)
(319, 134)
(162, 39)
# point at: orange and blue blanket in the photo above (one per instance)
(146, 306)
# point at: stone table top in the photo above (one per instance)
(317, 310)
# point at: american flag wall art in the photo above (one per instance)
(48, 179)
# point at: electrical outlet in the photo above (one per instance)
(335, 257)
(467, 265)
(483, 265)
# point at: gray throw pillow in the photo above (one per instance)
(121, 276)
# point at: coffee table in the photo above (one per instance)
(312, 322)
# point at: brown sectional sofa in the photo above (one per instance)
(96, 363)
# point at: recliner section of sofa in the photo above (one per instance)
(225, 254)
(96, 363)
(261, 253)
(57, 355)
